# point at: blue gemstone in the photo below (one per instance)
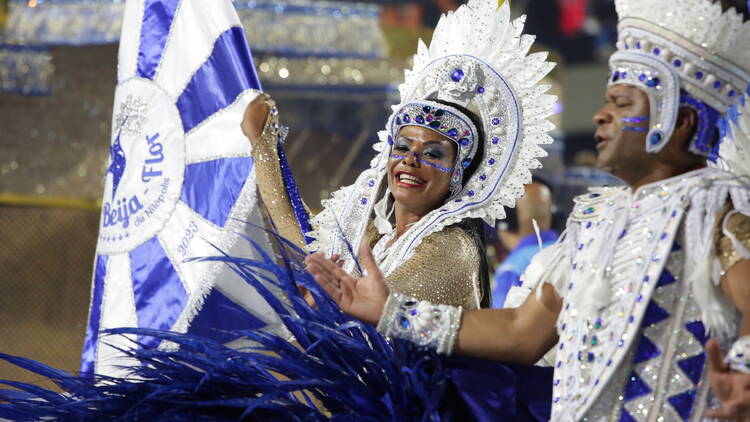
(590, 357)
(407, 119)
(419, 119)
(390, 138)
(624, 75)
(732, 93)
(615, 76)
(464, 142)
(457, 75)
(698, 75)
(653, 83)
(678, 63)
(495, 121)
(657, 51)
(655, 138)
(480, 90)
(426, 109)
(595, 195)
(404, 322)
(413, 312)
(466, 163)
(398, 121)
(471, 193)
(453, 133)
(642, 77)
(638, 45)
(589, 210)
(483, 177)
(371, 183)
(363, 201)
(495, 140)
(491, 162)
(717, 84)
(410, 303)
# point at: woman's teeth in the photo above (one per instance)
(410, 180)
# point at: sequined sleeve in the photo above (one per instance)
(738, 225)
(443, 270)
(271, 184)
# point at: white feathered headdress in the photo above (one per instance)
(478, 59)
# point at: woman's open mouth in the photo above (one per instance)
(408, 180)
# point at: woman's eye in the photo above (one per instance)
(433, 154)
(401, 147)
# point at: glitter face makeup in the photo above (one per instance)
(635, 120)
(425, 162)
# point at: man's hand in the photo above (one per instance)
(732, 388)
(362, 298)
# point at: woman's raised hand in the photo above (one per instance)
(362, 298)
(255, 117)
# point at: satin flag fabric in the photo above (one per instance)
(180, 181)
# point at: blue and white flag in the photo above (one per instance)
(179, 179)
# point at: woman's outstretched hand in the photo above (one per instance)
(732, 388)
(362, 298)
(255, 117)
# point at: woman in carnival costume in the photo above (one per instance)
(457, 149)
(651, 278)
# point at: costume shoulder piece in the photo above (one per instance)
(444, 270)
(590, 205)
(478, 59)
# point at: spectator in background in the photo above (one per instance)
(517, 235)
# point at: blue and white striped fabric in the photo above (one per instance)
(180, 178)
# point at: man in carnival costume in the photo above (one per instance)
(646, 273)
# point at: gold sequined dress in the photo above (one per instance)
(443, 269)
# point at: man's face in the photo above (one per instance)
(622, 127)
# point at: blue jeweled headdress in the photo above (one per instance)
(684, 53)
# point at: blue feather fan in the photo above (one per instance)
(337, 368)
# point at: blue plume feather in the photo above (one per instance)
(337, 368)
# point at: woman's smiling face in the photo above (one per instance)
(420, 169)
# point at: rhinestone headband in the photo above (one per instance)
(663, 85)
(659, 82)
(446, 121)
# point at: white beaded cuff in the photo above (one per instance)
(427, 325)
(738, 357)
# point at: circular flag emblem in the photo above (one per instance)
(147, 164)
